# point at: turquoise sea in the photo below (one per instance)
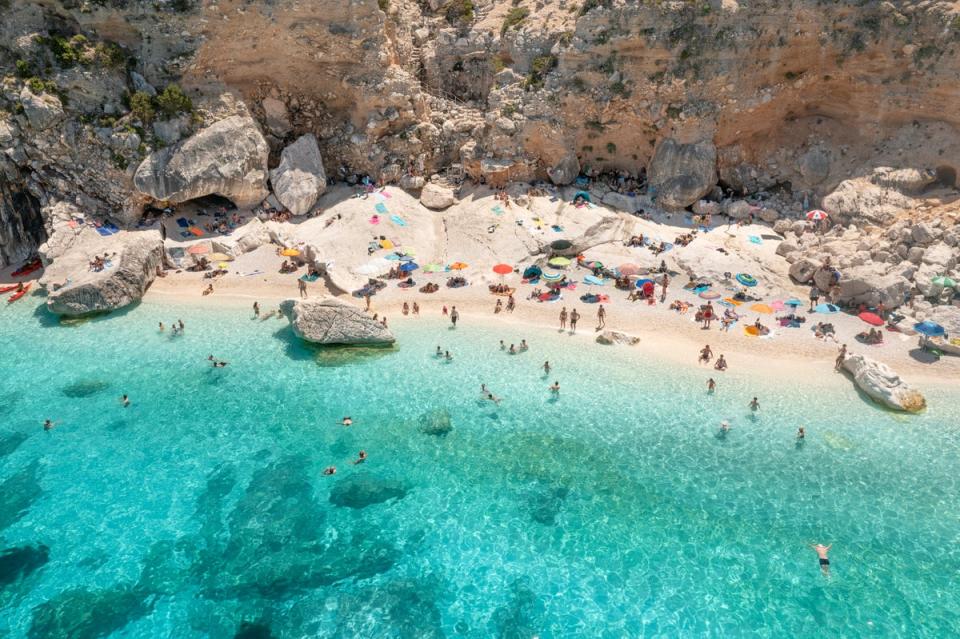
(613, 510)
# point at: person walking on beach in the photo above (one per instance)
(563, 318)
(574, 316)
(663, 290)
(822, 551)
(367, 299)
(454, 316)
(406, 308)
(840, 357)
(256, 309)
(302, 285)
(416, 309)
(601, 317)
(814, 296)
(444, 312)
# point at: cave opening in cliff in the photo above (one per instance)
(21, 224)
(946, 177)
(212, 203)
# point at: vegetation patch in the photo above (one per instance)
(515, 17)
(459, 11)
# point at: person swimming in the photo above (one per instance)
(555, 388)
(48, 425)
(513, 349)
(724, 426)
(523, 345)
(347, 421)
(801, 434)
(754, 405)
(822, 551)
(503, 346)
(493, 398)
(546, 367)
(361, 457)
(439, 352)
(330, 470)
(448, 356)
(711, 385)
(125, 401)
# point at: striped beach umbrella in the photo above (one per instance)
(817, 215)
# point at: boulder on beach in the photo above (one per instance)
(227, 158)
(300, 178)
(883, 385)
(436, 197)
(682, 173)
(330, 321)
(616, 337)
(565, 171)
(75, 290)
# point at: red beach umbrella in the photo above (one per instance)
(503, 269)
(871, 318)
(817, 215)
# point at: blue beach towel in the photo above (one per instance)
(497, 210)
(755, 239)
(104, 231)
(381, 208)
(182, 223)
(396, 219)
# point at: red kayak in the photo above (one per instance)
(19, 294)
(28, 268)
(8, 288)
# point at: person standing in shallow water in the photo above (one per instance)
(574, 316)
(563, 318)
(256, 309)
(601, 317)
(454, 315)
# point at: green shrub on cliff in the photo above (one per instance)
(515, 17)
(172, 101)
(459, 11)
(141, 105)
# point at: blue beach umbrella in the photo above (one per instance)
(640, 283)
(746, 279)
(827, 309)
(393, 257)
(928, 328)
(793, 302)
(406, 267)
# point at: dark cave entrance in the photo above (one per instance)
(946, 177)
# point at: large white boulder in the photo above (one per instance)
(859, 200)
(616, 337)
(75, 290)
(681, 174)
(436, 197)
(300, 178)
(871, 284)
(883, 385)
(565, 171)
(248, 237)
(227, 158)
(330, 321)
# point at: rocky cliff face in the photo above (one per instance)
(790, 98)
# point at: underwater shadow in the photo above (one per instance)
(329, 356)
(47, 319)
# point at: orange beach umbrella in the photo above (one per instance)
(503, 269)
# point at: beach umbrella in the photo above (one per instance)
(552, 277)
(405, 258)
(827, 309)
(560, 245)
(433, 267)
(944, 281)
(199, 249)
(290, 252)
(746, 279)
(817, 215)
(559, 262)
(709, 295)
(503, 269)
(640, 283)
(393, 257)
(406, 267)
(777, 305)
(221, 257)
(871, 318)
(457, 266)
(761, 308)
(628, 269)
(223, 265)
(928, 328)
(793, 302)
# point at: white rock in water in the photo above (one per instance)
(616, 337)
(228, 158)
(883, 385)
(330, 321)
(83, 292)
(300, 178)
(434, 196)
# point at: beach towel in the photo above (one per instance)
(755, 239)
(381, 208)
(375, 219)
(310, 278)
(396, 219)
(196, 231)
(557, 228)
(385, 194)
(182, 223)
(596, 281)
(498, 210)
(103, 231)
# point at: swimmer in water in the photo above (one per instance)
(347, 421)
(125, 401)
(546, 367)
(513, 349)
(361, 457)
(523, 345)
(801, 434)
(555, 388)
(161, 327)
(48, 425)
(330, 470)
(493, 398)
(724, 426)
(439, 352)
(822, 551)
(711, 385)
(483, 389)
(754, 405)
(448, 356)
(503, 346)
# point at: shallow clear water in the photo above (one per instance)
(612, 511)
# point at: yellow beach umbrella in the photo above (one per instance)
(762, 308)
(220, 257)
(290, 252)
(458, 266)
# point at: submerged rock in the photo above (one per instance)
(436, 422)
(362, 491)
(330, 321)
(546, 504)
(88, 614)
(10, 442)
(227, 158)
(883, 385)
(300, 178)
(616, 337)
(250, 630)
(18, 493)
(17, 563)
(75, 290)
(85, 388)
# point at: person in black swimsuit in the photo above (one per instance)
(822, 551)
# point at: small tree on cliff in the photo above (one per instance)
(173, 101)
(141, 105)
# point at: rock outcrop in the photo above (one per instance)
(330, 321)
(437, 197)
(565, 171)
(616, 337)
(74, 290)
(682, 173)
(300, 178)
(883, 385)
(227, 158)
